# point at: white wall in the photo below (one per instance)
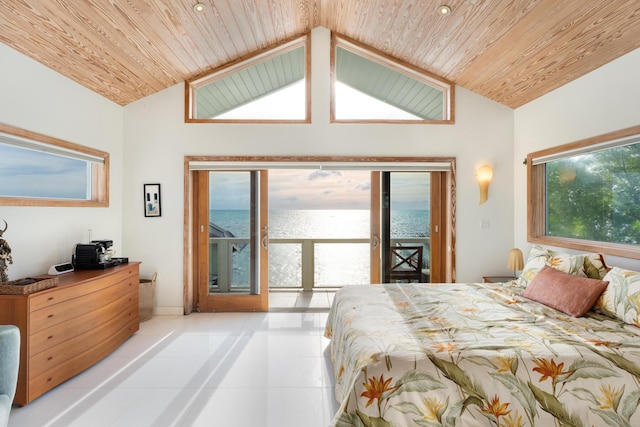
(156, 139)
(37, 99)
(602, 101)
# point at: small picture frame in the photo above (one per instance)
(152, 206)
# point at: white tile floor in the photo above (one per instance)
(297, 300)
(222, 370)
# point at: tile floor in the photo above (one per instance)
(205, 369)
(295, 300)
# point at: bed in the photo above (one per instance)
(482, 354)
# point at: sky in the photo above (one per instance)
(319, 189)
(28, 173)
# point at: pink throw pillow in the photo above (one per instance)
(570, 294)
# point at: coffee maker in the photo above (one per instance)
(93, 256)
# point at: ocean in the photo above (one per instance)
(335, 264)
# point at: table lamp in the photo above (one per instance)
(516, 261)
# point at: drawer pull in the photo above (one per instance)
(50, 298)
(50, 358)
(49, 379)
(50, 316)
(50, 337)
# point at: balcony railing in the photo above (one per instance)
(297, 263)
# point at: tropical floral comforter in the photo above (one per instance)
(477, 355)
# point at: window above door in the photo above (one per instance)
(270, 86)
(369, 86)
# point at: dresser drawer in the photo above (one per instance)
(61, 332)
(83, 342)
(64, 293)
(57, 313)
(39, 384)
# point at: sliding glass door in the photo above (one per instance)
(327, 228)
(404, 221)
(233, 241)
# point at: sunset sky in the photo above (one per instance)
(319, 189)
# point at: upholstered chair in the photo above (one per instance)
(9, 360)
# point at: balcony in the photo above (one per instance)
(297, 263)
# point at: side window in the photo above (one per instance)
(36, 170)
(272, 86)
(586, 195)
(368, 86)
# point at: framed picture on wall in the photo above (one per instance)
(152, 205)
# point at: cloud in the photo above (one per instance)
(364, 186)
(322, 174)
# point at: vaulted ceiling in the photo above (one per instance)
(511, 51)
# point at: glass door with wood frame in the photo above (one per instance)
(233, 241)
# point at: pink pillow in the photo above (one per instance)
(570, 294)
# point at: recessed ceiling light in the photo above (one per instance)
(198, 7)
(444, 10)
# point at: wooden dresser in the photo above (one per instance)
(68, 328)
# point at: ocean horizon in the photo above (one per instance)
(335, 264)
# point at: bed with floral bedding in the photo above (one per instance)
(482, 354)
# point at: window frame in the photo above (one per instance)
(536, 195)
(99, 172)
(448, 87)
(192, 85)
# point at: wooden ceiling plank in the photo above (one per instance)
(235, 32)
(254, 10)
(140, 63)
(540, 67)
(551, 73)
(524, 41)
(88, 65)
(182, 32)
(511, 51)
(474, 28)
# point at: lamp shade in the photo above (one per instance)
(484, 175)
(515, 261)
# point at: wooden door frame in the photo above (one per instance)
(190, 235)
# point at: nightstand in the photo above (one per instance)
(497, 279)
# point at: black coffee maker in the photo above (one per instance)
(92, 256)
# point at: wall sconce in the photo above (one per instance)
(515, 262)
(484, 174)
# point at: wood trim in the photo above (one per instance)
(99, 173)
(618, 134)
(327, 159)
(450, 247)
(437, 229)
(536, 200)
(189, 291)
(201, 238)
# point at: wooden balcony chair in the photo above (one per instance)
(406, 263)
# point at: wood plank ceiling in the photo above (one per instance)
(511, 51)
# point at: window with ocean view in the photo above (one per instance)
(37, 170)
